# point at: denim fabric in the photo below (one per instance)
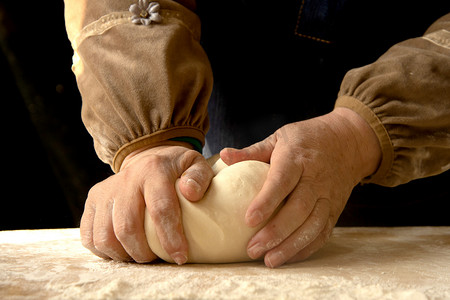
(317, 20)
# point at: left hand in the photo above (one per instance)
(314, 166)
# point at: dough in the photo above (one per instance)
(214, 226)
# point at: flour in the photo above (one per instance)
(235, 281)
(357, 263)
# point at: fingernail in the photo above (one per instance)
(256, 251)
(179, 258)
(193, 184)
(255, 218)
(274, 259)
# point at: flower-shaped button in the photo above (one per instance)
(145, 12)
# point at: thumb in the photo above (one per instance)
(196, 179)
(261, 151)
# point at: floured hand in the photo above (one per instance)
(314, 166)
(112, 225)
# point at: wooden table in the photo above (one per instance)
(357, 263)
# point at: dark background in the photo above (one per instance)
(47, 155)
(266, 76)
(48, 161)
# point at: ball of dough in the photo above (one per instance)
(214, 226)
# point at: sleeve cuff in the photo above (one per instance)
(371, 118)
(186, 134)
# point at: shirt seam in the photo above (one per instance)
(300, 12)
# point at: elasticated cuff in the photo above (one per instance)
(160, 136)
(370, 117)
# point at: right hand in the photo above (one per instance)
(112, 225)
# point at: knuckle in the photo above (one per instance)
(103, 242)
(304, 200)
(100, 190)
(192, 155)
(161, 209)
(284, 184)
(152, 162)
(282, 134)
(278, 178)
(301, 206)
(124, 230)
(155, 160)
(189, 158)
(94, 192)
(274, 233)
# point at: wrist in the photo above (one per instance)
(156, 147)
(361, 137)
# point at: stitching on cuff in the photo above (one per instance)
(125, 17)
(440, 38)
(101, 26)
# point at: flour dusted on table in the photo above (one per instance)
(215, 226)
(401, 263)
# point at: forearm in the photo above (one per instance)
(140, 84)
(404, 96)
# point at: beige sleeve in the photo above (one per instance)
(405, 97)
(140, 84)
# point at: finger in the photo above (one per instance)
(164, 209)
(196, 179)
(302, 237)
(128, 224)
(86, 230)
(282, 178)
(315, 245)
(291, 216)
(260, 151)
(105, 240)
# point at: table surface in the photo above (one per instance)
(357, 263)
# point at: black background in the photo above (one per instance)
(48, 161)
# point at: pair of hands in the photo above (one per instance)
(314, 166)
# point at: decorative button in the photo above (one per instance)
(145, 12)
